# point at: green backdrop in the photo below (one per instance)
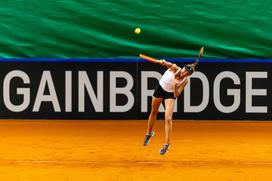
(105, 28)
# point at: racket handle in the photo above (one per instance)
(149, 58)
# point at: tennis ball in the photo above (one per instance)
(137, 30)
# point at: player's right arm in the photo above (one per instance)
(169, 65)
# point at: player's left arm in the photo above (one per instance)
(179, 87)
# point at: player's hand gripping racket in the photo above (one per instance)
(153, 60)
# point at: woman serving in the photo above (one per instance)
(168, 89)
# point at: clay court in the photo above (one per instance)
(112, 150)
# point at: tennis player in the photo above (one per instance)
(169, 88)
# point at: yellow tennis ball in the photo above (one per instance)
(137, 31)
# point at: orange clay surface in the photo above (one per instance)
(112, 150)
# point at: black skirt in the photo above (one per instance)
(160, 93)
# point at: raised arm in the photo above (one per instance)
(169, 65)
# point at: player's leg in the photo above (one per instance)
(169, 109)
(156, 102)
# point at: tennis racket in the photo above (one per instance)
(150, 59)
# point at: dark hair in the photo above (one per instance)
(190, 68)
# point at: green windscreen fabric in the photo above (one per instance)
(105, 28)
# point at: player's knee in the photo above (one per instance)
(168, 119)
(154, 111)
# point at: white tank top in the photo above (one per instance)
(168, 81)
